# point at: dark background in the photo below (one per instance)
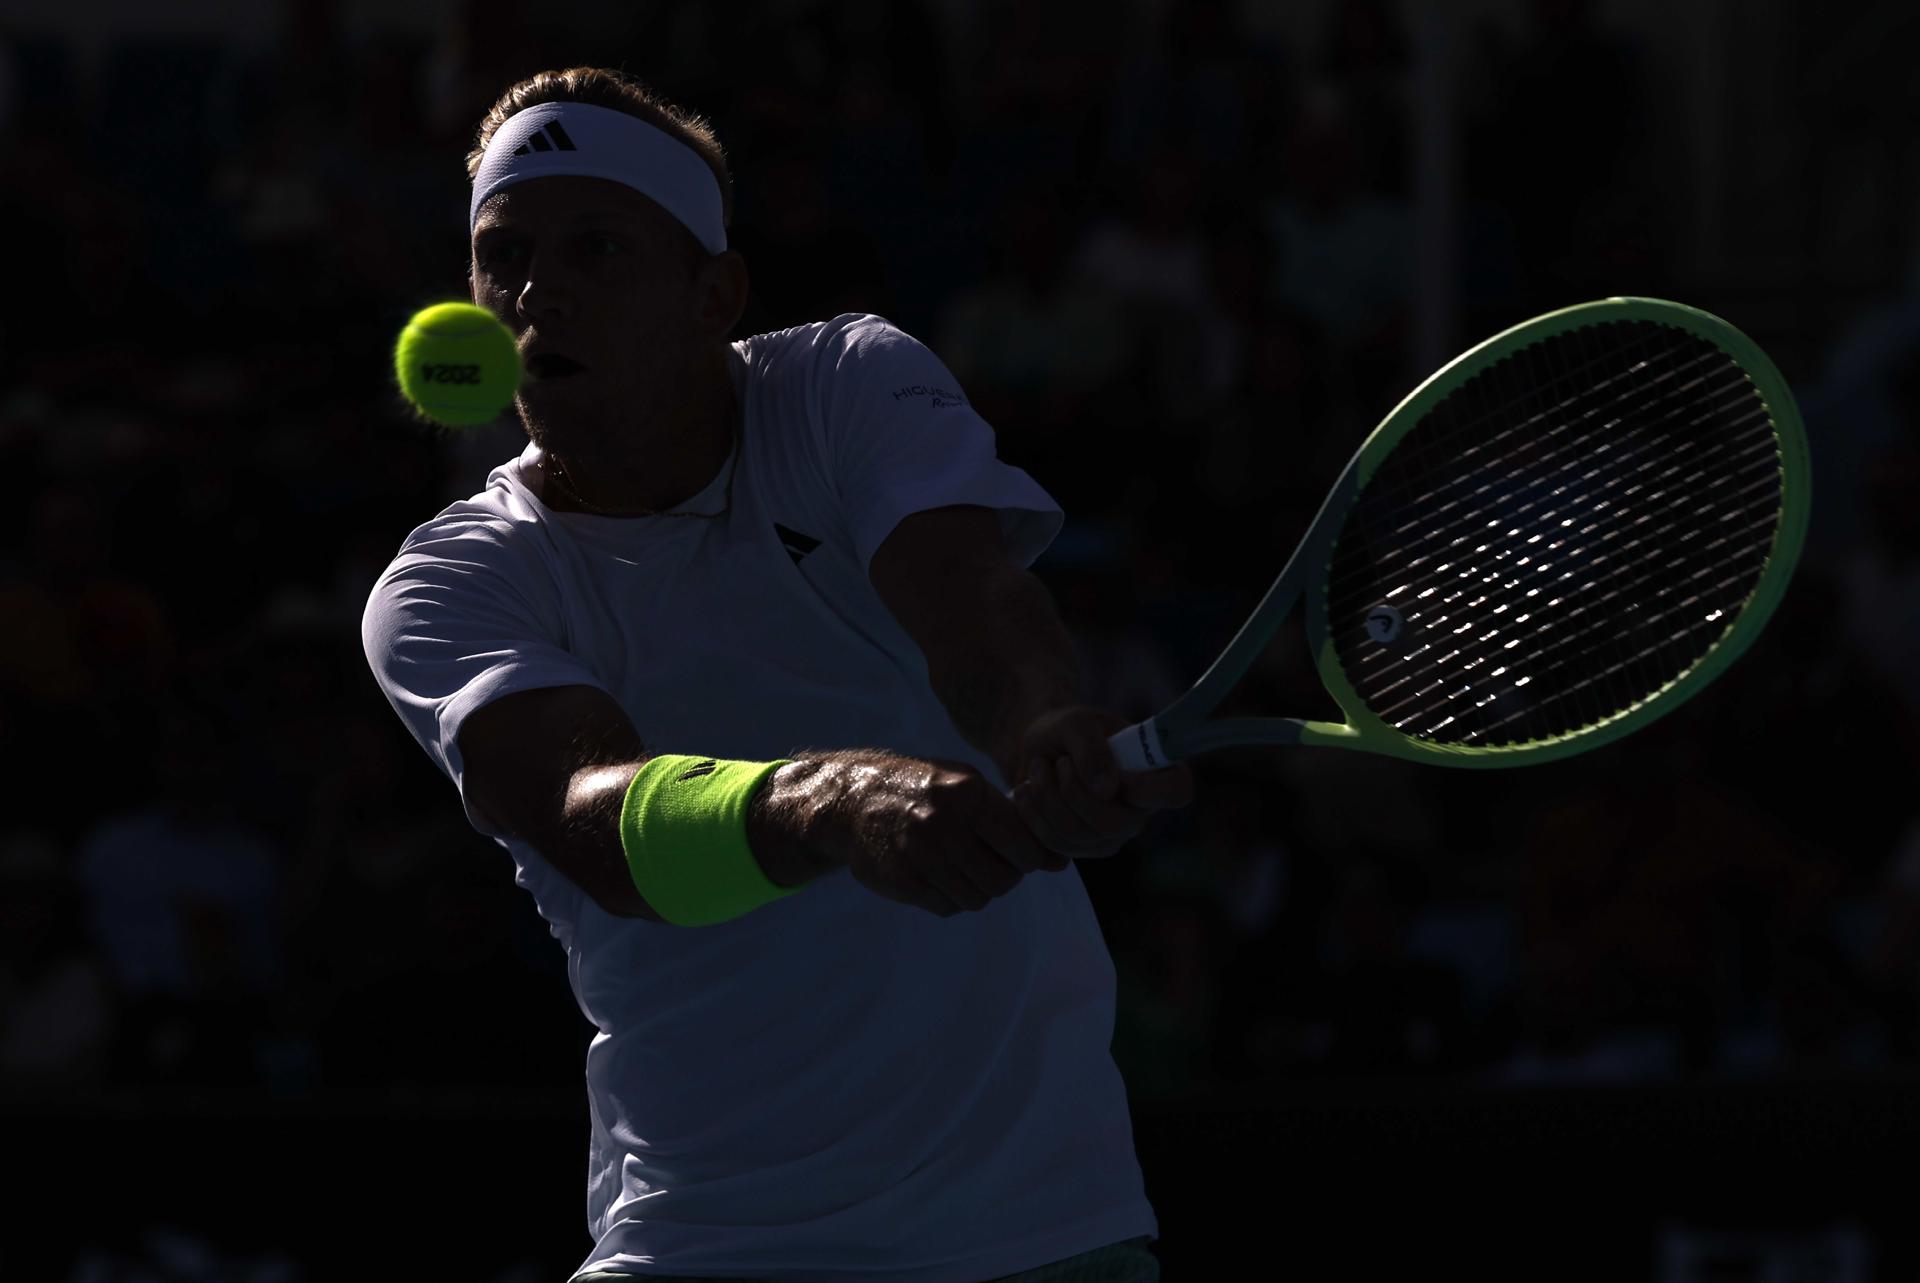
(269, 1010)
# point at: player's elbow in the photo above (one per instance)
(550, 768)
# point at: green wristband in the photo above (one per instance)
(684, 830)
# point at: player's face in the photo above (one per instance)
(600, 287)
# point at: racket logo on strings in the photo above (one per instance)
(1385, 624)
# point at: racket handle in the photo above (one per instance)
(1138, 747)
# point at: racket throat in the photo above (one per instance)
(1284, 732)
(1150, 745)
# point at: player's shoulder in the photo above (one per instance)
(820, 346)
(495, 535)
(487, 522)
(475, 560)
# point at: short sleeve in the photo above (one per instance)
(900, 438)
(452, 626)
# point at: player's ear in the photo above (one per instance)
(720, 293)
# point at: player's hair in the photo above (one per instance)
(618, 91)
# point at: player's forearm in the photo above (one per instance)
(1006, 660)
(801, 820)
(585, 841)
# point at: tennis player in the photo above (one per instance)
(737, 660)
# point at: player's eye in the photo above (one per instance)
(498, 253)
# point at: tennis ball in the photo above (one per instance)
(457, 364)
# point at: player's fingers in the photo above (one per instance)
(913, 891)
(1026, 801)
(1096, 766)
(1108, 820)
(949, 877)
(1002, 827)
(1051, 819)
(1164, 789)
(990, 871)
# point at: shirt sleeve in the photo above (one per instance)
(899, 438)
(451, 627)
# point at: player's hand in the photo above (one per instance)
(935, 835)
(1073, 794)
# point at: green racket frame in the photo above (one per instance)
(1182, 730)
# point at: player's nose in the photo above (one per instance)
(545, 294)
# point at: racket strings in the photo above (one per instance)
(1760, 458)
(1576, 686)
(1495, 471)
(1510, 421)
(1541, 489)
(1599, 671)
(1565, 534)
(1544, 479)
(1488, 419)
(1571, 647)
(1541, 654)
(1629, 679)
(1654, 652)
(1547, 657)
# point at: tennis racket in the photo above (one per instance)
(1561, 535)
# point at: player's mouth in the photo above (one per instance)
(550, 367)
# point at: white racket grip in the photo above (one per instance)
(1138, 747)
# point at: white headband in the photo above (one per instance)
(597, 142)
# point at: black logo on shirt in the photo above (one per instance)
(796, 544)
(707, 767)
(942, 397)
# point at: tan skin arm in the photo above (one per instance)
(552, 768)
(997, 654)
(1003, 664)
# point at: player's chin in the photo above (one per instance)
(556, 409)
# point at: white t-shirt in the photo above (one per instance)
(833, 1086)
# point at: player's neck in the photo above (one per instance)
(677, 453)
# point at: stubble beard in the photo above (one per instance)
(577, 433)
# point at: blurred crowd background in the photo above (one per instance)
(1174, 254)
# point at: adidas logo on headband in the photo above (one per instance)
(551, 138)
(540, 142)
